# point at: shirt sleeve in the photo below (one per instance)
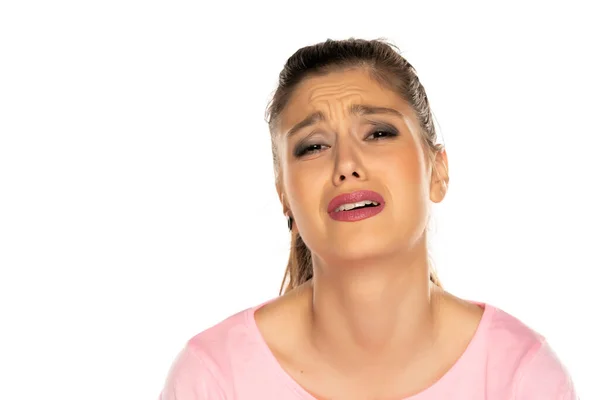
(189, 378)
(544, 377)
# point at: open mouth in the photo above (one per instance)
(356, 206)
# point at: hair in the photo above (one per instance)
(383, 62)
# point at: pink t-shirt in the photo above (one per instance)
(504, 360)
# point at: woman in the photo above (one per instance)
(363, 316)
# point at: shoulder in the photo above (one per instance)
(506, 331)
(543, 376)
(201, 370)
(525, 360)
(190, 378)
(225, 338)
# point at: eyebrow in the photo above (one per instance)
(355, 109)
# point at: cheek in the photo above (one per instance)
(405, 168)
(304, 186)
(404, 176)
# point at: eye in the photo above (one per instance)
(308, 149)
(381, 133)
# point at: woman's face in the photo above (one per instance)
(363, 137)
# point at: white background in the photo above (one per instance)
(137, 204)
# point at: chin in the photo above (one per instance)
(359, 246)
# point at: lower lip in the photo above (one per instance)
(356, 215)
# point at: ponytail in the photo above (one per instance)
(299, 268)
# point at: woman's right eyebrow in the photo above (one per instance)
(312, 119)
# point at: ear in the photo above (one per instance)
(439, 177)
(282, 199)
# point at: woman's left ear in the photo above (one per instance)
(439, 177)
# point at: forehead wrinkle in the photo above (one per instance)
(340, 105)
(320, 102)
(339, 90)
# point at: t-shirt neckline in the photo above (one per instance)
(272, 364)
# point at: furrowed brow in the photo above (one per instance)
(308, 121)
(355, 109)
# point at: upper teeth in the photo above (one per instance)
(350, 206)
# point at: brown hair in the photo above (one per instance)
(386, 66)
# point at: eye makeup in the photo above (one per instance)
(378, 132)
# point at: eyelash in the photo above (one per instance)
(309, 149)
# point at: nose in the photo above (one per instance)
(342, 177)
(347, 166)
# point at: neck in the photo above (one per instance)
(375, 311)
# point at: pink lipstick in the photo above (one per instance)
(355, 206)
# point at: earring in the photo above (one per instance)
(290, 220)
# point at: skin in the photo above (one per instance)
(369, 325)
